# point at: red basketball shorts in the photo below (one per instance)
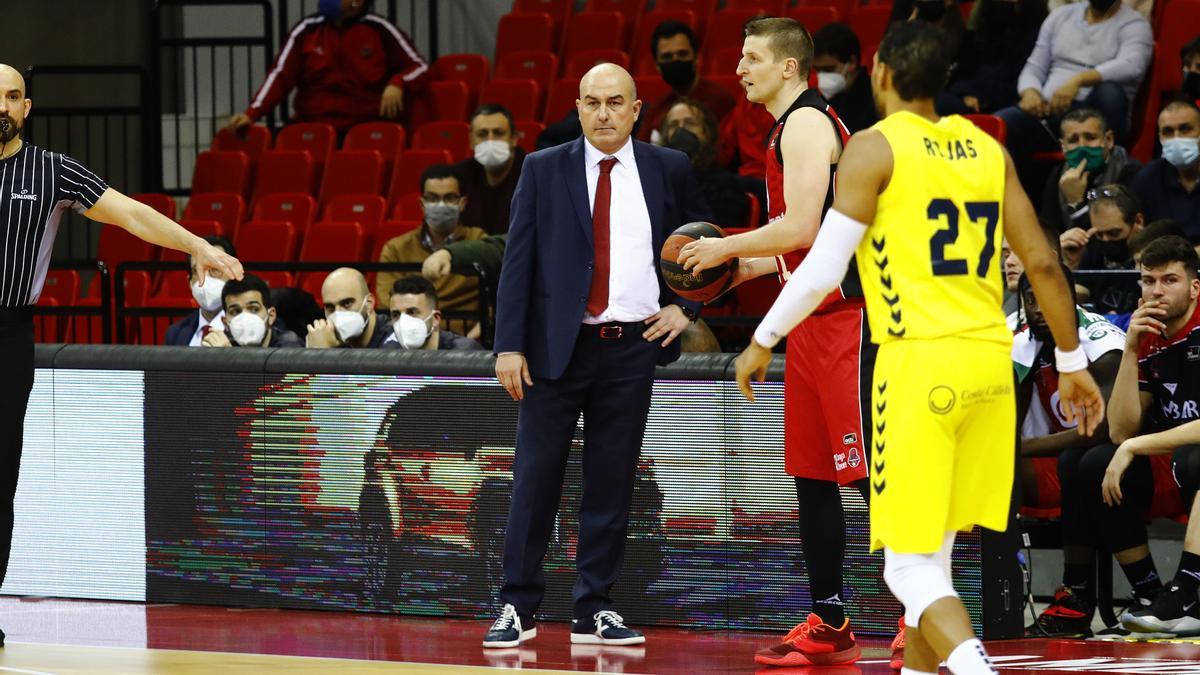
(826, 395)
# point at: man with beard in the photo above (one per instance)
(36, 188)
(675, 48)
(1153, 415)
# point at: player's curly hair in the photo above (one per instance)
(915, 53)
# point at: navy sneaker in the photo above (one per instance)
(1173, 612)
(604, 628)
(510, 630)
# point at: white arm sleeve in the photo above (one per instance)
(822, 270)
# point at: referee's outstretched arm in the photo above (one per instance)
(143, 222)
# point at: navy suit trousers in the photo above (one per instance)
(609, 382)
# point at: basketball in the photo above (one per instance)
(712, 282)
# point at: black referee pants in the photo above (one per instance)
(16, 381)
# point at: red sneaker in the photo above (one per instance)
(812, 643)
(897, 661)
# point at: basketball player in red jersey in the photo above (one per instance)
(829, 362)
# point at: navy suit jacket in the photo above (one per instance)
(547, 268)
(180, 333)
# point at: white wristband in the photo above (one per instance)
(1072, 361)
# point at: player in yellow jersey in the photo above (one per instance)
(925, 200)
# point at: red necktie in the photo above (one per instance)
(598, 295)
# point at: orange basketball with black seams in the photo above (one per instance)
(712, 282)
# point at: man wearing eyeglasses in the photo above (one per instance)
(442, 203)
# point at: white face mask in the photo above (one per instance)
(492, 154)
(248, 329)
(412, 332)
(208, 296)
(831, 84)
(349, 324)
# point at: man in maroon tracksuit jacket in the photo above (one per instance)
(347, 64)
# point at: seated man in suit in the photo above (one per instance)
(417, 320)
(191, 330)
(249, 317)
(350, 317)
(582, 319)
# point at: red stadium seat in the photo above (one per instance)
(352, 172)
(594, 30)
(639, 49)
(582, 61)
(1143, 128)
(219, 171)
(389, 230)
(726, 30)
(386, 138)
(164, 204)
(702, 9)
(522, 98)
(118, 246)
(731, 84)
(723, 62)
(331, 242)
(254, 140)
(522, 32)
(527, 134)
(318, 139)
(173, 284)
(870, 22)
(226, 208)
(1179, 25)
(768, 7)
(448, 135)
(152, 330)
(283, 171)
(408, 207)
(277, 279)
(844, 8)
(651, 88)
(630, 9)
(470, 69)
(441, 101)
(201, 227)
(991, 125)
(62, 286)
(266, 241)
(297, 208)
(407, 176)
(559, 11)
(366, 210)
(814, 18)
(541, 67)
(561, 99)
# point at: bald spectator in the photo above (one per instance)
(442, 202)
(350, 317)
(675, 47)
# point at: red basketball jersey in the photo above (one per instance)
(776, 205)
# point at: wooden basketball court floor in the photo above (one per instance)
(69, 637)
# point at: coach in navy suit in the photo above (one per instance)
(582, 319)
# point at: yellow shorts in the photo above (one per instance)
(943, 452)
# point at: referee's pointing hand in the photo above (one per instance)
(209, 258)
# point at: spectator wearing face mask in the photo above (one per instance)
(250, 319)
(443, 202)
(675, 47)
(350, 318)
(1189, 56)
(1093, 159)
(191, 330)
(1092, 54)
(417, 321)
(489, 178)
(1115, 214)
(1170, 185)
(690, 128)
(999, 38)
(841, 80)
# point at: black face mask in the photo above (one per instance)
(1116, 251)
(1190, 89)
(678, 74)
(930, 10)
(1102, 6)
(685, 142)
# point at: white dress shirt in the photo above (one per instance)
(632, 282)
(216, 324)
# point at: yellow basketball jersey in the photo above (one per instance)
(930, 263)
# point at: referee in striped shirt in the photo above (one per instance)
(36, 187)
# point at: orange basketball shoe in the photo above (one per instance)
(897, 661)
(812, 643)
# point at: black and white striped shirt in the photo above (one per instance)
(36, 187)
